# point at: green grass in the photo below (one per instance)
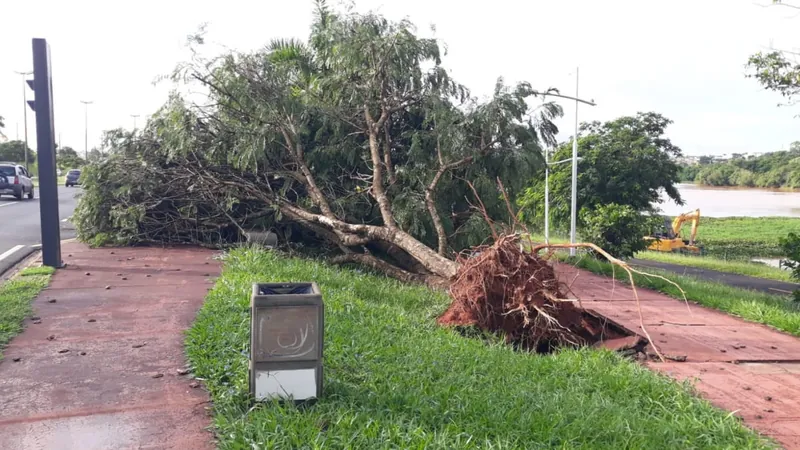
(773, 310)
(15, 300)
(745, 237)
(737, 238)
(59, 181)
(730, 266)
(394, 379)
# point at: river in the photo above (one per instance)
(733, 201)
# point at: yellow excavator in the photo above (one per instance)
(669, 238)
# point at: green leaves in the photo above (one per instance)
(626, 161)
(775, 72)
(618, 229)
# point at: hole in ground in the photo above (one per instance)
(595, 330)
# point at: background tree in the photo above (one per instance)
(626, 161)
(358, 138)
(770, 170)
(14, 151)
(67, 158)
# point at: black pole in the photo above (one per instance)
(45, 146)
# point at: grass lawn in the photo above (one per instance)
(15, 300)
(736, 238)
(394, 379)
(731, 266)
(776, 311)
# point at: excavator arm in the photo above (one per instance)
(677, 224)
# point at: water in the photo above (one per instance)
(728, 202)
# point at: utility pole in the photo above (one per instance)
(573, 220)
(134, 120)
(574, 159)
(25, 112)
(86, 128)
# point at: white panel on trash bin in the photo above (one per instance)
(300, 384)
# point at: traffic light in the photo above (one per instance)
(42, 105)
(31, 103)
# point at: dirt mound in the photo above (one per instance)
(503, 289)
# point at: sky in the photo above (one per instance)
(681, 58)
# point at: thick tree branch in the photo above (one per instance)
(382, 266)
(387, 154)
(431, 260)
(377, 189)
(296, 151)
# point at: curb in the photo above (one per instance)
(16, 261)
(11, 261)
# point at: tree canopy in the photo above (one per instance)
(358, 136)
(777, 70)
(770, 170)
(14, 151)
(626, 161)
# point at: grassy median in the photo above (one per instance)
(729, 266)
(394, 379)
(773, 310)
(15, 300)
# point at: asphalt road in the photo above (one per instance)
(740, 281)
(19, 224)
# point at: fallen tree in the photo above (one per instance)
(358, 138)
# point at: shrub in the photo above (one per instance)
(618, 229)
(791, 248)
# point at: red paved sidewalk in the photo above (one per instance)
(737, 365)
(117, 384)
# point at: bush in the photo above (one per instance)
(618, 229)
(791, 247)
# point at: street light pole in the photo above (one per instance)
(86, 128)
(547, 195)
(134, 120)
(575, 159)
(574, 207)
(25, 113)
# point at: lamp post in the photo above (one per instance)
(286, 340)
(86, 128)
(547, 193)
(25, 113)
(134, 120)
(574, 201)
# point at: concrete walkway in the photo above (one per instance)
(103, 365)
(737, 365)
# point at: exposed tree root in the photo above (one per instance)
(505, 289)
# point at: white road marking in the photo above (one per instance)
(64, 220)
(10, 252)
(8, 204)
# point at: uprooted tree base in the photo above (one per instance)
(504, 289)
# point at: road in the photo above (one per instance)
(731, 279)
(19, 224)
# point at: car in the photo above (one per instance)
(73, 178)
(15, 180)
